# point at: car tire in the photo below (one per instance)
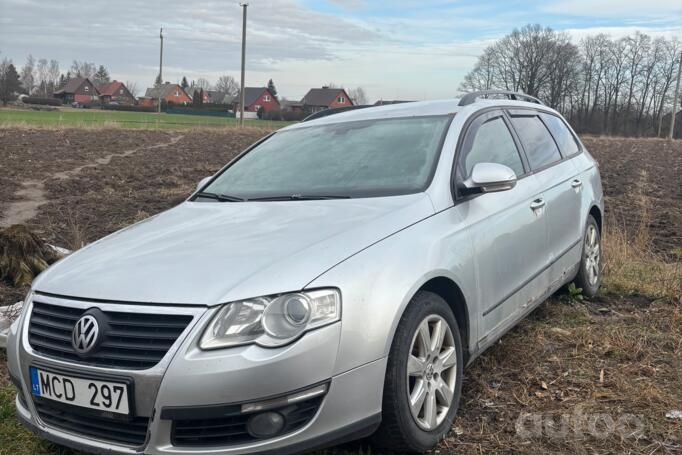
(590, 273)
(407, 428)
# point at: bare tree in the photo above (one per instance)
(52, 77)
(82, 69)
(42, 73)
(228, 85)
(202, 84)
(27, 75)
(602, 86)
(358, 96)
(132, 87)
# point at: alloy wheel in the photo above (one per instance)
(592, 255)
(431, 372)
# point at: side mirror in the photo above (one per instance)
(491, 177)
(203, 182)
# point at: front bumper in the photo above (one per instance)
(188, 377)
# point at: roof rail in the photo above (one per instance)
(470, 98)
(332, 111)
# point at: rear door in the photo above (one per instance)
(558, 176)
(507, 228)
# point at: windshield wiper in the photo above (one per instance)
(221, 197)
(300, 197)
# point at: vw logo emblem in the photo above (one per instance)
(85, 334)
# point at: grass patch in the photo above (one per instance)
(94, 118)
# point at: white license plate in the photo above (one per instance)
(87, 393)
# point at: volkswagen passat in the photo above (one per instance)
(329, 283)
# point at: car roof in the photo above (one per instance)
(416, 109)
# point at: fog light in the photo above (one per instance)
(265, 425)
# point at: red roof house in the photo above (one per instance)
(115, 92)
(319, 99)
(255, 98)
(79, 90)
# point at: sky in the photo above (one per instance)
(393, 49)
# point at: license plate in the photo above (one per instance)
(86, 393)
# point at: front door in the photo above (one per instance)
(507, 228)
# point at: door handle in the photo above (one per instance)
(537, 204)
(576, 183)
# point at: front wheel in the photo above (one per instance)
(590, 273)
(423, 377)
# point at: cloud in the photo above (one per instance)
(616, 8)
(396, 49)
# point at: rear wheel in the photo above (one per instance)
(423, 378)
(590, 273)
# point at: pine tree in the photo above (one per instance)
(272, 88)
(158, 80)
(184, 84)
(101, 76)
(62, 81)
(10, 85)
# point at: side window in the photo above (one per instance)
(492, 143)
(568, 145)
(539, 144)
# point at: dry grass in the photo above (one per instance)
(630, 262)
(23, 255)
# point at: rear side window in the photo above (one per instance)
(493, 143)
(567, 142)
(540, 147)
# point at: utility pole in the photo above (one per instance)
(160, 69)
(676, 100)
(242, 95)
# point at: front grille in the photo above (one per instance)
(231, 429)
(130, 340)
(133, 432)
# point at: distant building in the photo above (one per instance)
(214, 96)
(170, 93)
(79, 90)
(115, 92)
(255, 98)
(319, 99)
(293, 106)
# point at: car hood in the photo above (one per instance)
(206, 253)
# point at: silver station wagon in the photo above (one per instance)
(330, 283)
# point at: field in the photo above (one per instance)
(577, 376)
(95, 118)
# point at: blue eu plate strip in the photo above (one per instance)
(35, 382)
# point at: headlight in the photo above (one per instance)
(271, 321)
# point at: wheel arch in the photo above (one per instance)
(596, 214)
(453, 295)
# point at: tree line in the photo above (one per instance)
(602, 85)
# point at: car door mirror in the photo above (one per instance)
(203, 182)
(491, 177)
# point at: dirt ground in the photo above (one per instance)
(575, 377)
(650, 167)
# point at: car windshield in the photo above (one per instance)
(353, 159)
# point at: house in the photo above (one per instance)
(170, 93)
(79, 90)
(319, 99)
(255, 98)
(115, 92)
(217, 97)
(293, 106)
